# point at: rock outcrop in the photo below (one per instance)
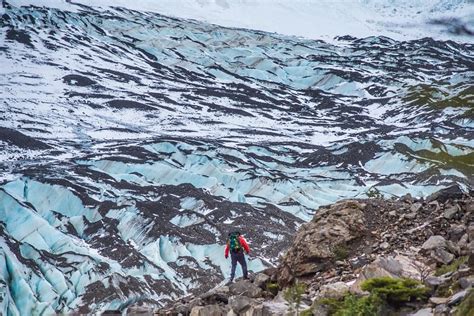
(345, 244)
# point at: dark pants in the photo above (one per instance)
(240, 258)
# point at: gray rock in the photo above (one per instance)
(434, 242)
(334, 290)
(358, 262)
(441, 310)
(245, 288)
(415, 207)
(392, 213)
(470, 232)
(208, 310)
(434, 281)
(456, 232)
(435, 205)
(466, 282)
(438, 300)
(441, 256)
(451, 212)
(469, 207)
(261, 280)
(457, 298)
(317, 241)
(423, 312)
(384, 245)
(452, 192)
(410, 216)
(240, 303)
(407, 198)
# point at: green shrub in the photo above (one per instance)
(467, 305)
(307, 312)
(453, 266)
(395, 291)
(340, 252)
(272, 287)
(293, 296)
(353, 305)
(384, 292)
(374, 193)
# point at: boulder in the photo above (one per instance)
(391, 266)
(239, 304)
(438, 300)
(441, 310)
(423, 312)
(334, 290)
(434, 242)
(451, 212)
(467, 282)
(261, 280)
(456, 232)
(434, 281)
(441, 256)
(470, 232)
(208, 310)
(323, 240)
(457, 298)
(415, 207)
(452, 192)
(245, 288)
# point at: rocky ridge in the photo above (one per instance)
(430, 240)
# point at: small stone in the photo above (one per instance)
(439, 300)
(423, 312)
(469, 207)
(384, 245)
(261, 280)
(456, 232)
(435, 205)
(450, 212)
(335, 290)
(410, 216)
(442, 256)
(208, 310)
(470, 232)
(239, 303)
(441, 310)
(392, 213)
(407, 198)
(434, 281)
(467, 282)
(245, 288)
(456, 298)
(434, 242)
(415, 207)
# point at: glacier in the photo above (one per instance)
(132, 143)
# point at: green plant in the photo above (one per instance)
(466, 308)
(340, 252)
(395, 291)
(384, 292)
(352, 305)
(306, 312)
(272, 287)
(374, 193)
(453, 266)
(293, 296)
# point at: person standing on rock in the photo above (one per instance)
(236, 245)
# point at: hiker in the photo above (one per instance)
(236, 244)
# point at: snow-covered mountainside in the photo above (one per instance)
(131, 143)
(315, 19)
